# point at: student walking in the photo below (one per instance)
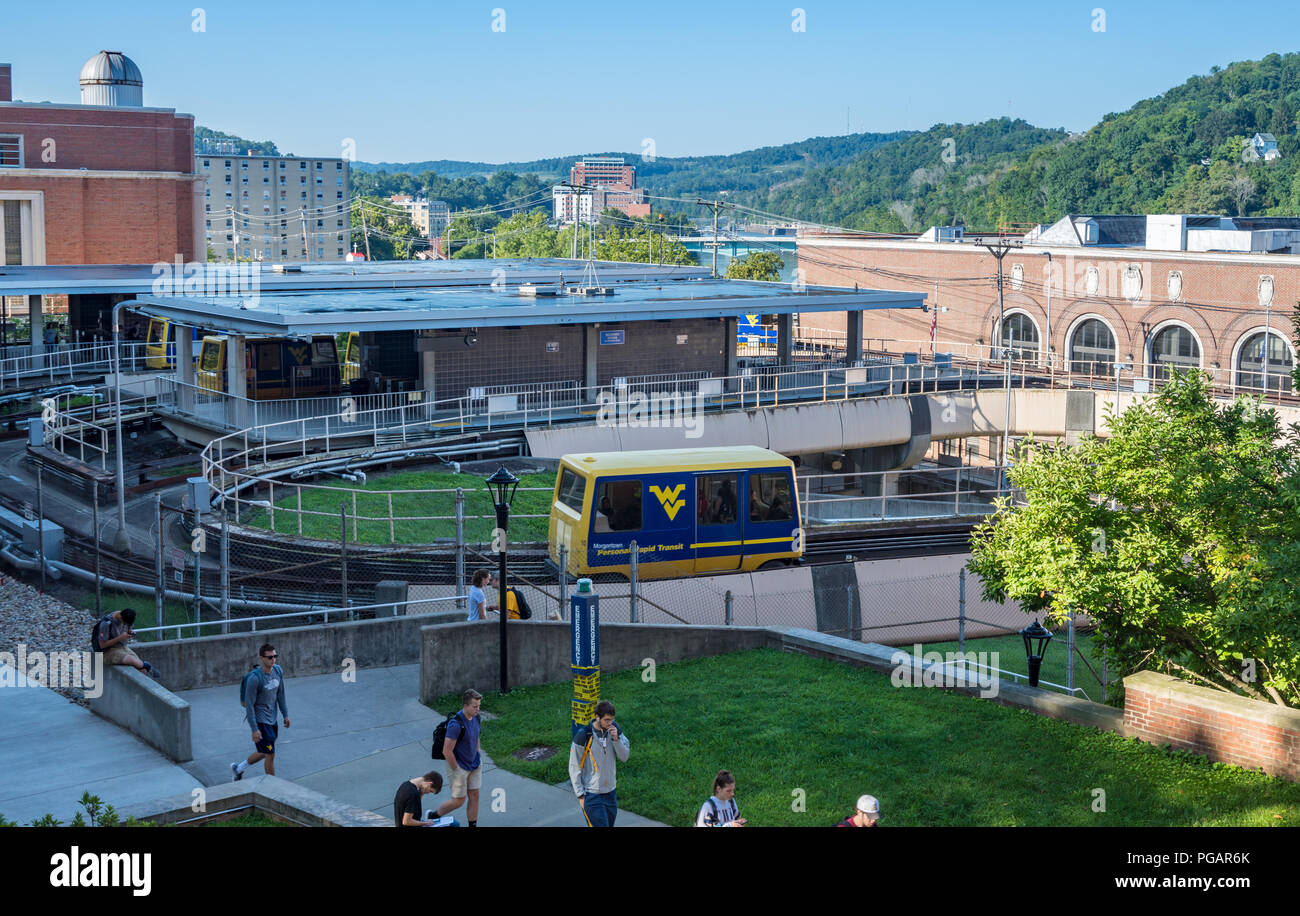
(593, 766)
(721, 810)
(263, 692)
(463, 751)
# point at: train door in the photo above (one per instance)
(157, 349)
(718, 521)
(351, 354)
(771, 516)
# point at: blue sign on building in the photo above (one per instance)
(611, 338)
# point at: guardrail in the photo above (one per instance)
(65, 360)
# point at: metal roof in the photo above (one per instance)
(358, 309)
(134, 279)
(672, 459)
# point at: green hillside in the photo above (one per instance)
(1148, 159)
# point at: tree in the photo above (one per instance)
(757, 265)
(1243, 192)
(1178, 535)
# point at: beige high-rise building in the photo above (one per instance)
(275, 208)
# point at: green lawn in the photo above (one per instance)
(1011, 657)
(783, 722)
(250, 819)
(372, 503)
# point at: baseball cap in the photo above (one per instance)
(868, 804)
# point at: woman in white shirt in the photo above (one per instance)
(721, 810)
(478, 606)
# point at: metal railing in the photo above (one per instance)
(65, 360)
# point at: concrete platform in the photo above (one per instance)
(51, 751)
(357, 741)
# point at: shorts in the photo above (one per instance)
(270, 731)
(461, 780)
(118, 655)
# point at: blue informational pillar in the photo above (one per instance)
(584, 616)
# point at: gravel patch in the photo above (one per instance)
(42, 623)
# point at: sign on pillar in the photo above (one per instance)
(584, 616)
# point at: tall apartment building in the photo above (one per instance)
(613, 184)
(276, 208)
(107, 181)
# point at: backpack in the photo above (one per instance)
(243, 682)
(440, 734)
(712, 807)
(525, 612)
(94, 632)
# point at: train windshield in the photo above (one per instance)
(573, 489)
(157, 331)
(209, 359)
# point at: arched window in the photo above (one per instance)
(1092, 348)
(1173, 349)
(1020, 335)
(1250, 363)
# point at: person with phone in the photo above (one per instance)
(720, 809)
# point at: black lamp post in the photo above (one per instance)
(1036, 637)
(502, 486)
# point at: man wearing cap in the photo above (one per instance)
(867, 815)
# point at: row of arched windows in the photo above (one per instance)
(1090, 348)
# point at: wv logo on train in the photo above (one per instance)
(668, 499)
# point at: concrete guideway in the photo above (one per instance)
(51, 751)
(357, 741)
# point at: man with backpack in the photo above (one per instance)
(110, 634)
(261, 691)
(462, 748)
(593, 758)
(516, 605)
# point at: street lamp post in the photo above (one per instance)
(121, 540)
(501, 486)
(1036, 637)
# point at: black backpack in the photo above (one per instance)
(525, 612)
(94, 632)
(440, 734)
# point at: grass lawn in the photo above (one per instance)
(251, 819)
(372, 503)
(783, 722)
(1011, 657)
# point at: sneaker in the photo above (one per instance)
(234, 768)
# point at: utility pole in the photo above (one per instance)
(716, 206)
(576, 191)
(306, 248)
(365, 233)
(1000, 251)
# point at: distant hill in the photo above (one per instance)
(255, 147)
(683, 175)
(1178, 152)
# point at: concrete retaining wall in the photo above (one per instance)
(211, 661)
(146, 709)
(455, 656)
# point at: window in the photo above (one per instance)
(265, 165)
(1250, 363)
(244, 165)
(618, 506)
(320, 180)
(227, 163)
(209, 356)
(227, 179)
(1173, 348)
(268, 358)
(769, 497)
(339, 166)
(320, 224)
(282, 166)
(1092, 348)
(715, 499)
(302, 180)
(206, 163)
(266, 179)
(318, 166)
(338, 195)
(1020, 336)
(302, 166)
(573, 487)
(228, 195)
(338, 182)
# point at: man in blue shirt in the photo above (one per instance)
(463, 751)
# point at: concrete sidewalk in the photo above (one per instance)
(51, 751)
(357, 742)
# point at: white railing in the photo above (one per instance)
(64, 360)
(972, 490)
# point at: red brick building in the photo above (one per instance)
(111, 182)
(1084, 307)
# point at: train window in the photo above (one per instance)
(209, 356)
(157, 331)
(323, 352)
(769, 497)
(618, 504)
(715, 499)
(354, 353)
(573, 489)
(268, 358)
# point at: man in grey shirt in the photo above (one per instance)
(263, 692)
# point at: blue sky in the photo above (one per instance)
(433, 80)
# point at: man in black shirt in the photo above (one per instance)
(407, 807)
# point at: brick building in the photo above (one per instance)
(613, 187)
(103, 182)
(1088, 293)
